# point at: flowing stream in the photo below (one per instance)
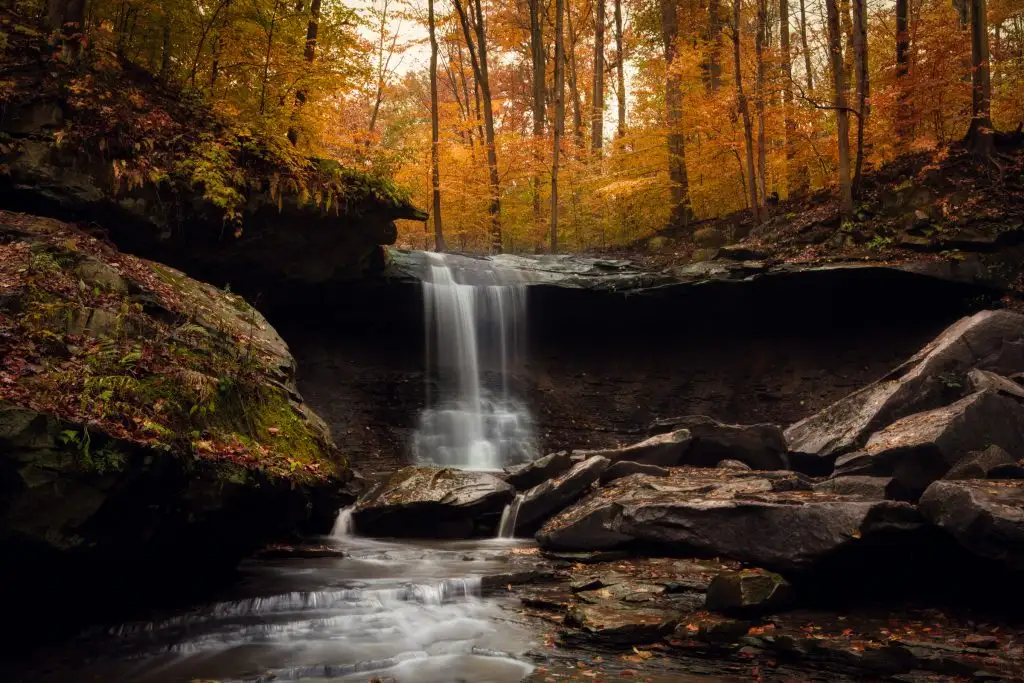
(408, 613)
(475, 316)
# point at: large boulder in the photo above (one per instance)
(554, 495)
(146, 420)
(430, 502)
(981, 464)
(768, 519)
(985, 517)
(664, 450)
(528, 475)
(918, 449)
(761, 446)
(935, 376)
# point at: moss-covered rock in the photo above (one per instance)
(147, 421)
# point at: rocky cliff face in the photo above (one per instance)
(150, 426)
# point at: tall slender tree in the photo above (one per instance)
(796, 174)
(620, 70)
(839, 87)
(981, 134)
(759, 103)
(309, 54)
(597, 91)
(435, 164)
(860, 51)
(902, 72)
(805, 48)
(744, 107)
(537, 63)
(678, 182)
(559, 118)
(480, 70)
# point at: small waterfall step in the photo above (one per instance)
(507, 525)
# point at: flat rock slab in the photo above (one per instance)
(935, 376)
(985, 517)
(770, 521)
(760, 446)
(524, 477)
(431, 502)
(663, 450)
(619, 625)
(554, 495)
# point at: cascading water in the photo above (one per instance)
(475, 316)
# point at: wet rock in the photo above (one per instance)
(554, 495)
(979, 380)
(588, 557)
(921, 448)
(664, 450)
(877, 488)
(761, 446)
(496, 583)
(431, 502)
(526, 476)
(619, 626)
(749, 591)
(625, 468)
(978, 464)
(935, 376)
(736, 515)
(981, 641)
(986, 517)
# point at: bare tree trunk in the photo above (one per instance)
(809, 72)
(759, 97)
(165, 54)
(620, 70)
(574, 92)
(480, 70)
(559, 118)
(860, 49)
(435, 163)
(597, 92)
(748, 128)
(714, 60)
(266, 59)
(537, 60)
(835, 45)
(309, 53)
(678, 182)
(902, 71)
(981, 134)
(797, 179)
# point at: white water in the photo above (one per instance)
(507, 525)
(475, 316)
(344, 525)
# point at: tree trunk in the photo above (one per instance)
(809, 72)
(480, 70)
(435, 163)
(860, 49)
(759, 97)
(741, 99)
(537, 61)
(620, 70)
(714, 60)
(797, 179)
(309, 53)
(981, 134)
(678, 182)
(67, 17)
(835, 50)
(902, 71)
(570, 57)
(597, 92)
(165, 54)
(559, 118)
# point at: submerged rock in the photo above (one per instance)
(771, 521)
(429, 502)
(985, 517)
(761, 446)
(936, 375)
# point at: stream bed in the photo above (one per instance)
(366, 610)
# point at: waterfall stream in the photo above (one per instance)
(474, 314)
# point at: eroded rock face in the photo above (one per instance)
(432, 502)
(921, 448)
(767, 519)
(985, 517)
(748, 591)
(554, 495)
(760, 446)
(936, 375)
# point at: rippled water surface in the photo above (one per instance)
(402, 612)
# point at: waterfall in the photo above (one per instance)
(507, 525)
(475, 316)
(344, 525)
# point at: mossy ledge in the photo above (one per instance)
(148, 422)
